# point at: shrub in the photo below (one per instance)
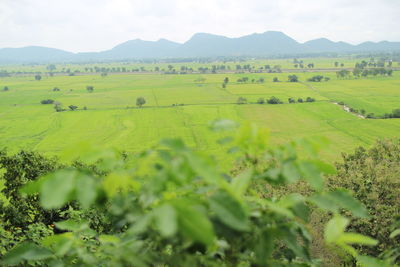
(89, 88)
(241, 100)
(396, 113)
(316, 78)
(275, 80)
(274, 100)
(373, 176)
(310, 99)
(140, 101)
(261, 100)
(47, 101)
(291, 100)
(300, 100)
(72, 107)
(293, 78)
(5, 88)
(177, 209)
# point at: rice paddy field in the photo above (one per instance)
(184, 105)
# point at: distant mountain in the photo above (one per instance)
(32, 54)
(200, 45)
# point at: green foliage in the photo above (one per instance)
(140, 101)
(172, 206)
(373, 177)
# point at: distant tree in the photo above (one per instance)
(396, 113)
(291, 100)
(300, 100)
(293, 78)
(51, 67)
(261, 80)
(241, 100)
(261, 100)
(56, 89)
(140, 101)
(38, 77)
(90, 88)
(274, 100)
(336, 64)
(85, 108)
(58, 106)
(104, 74)
(275, 79)
(316, 78)
(226, 80)
(342, 65)
(310, 99)
(47, 101)
(326, 79)
(363, 112)
(5, 88)
(223, 85)
(73, 108)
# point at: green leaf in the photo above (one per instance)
(395, 233)
(241, 182)
(367, 261)
(60, 243)
(229, 211)
(86, 191)
(193, 223)
(166, 220)
(58, 189)
(290, 172)
(335, 228)
(354, 238)
(71, 225)
(109, 239)
(26, 251)
(337, 199)
(311, 174)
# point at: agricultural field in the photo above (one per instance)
(287, 63)
(184, 105)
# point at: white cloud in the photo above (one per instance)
(93, 25)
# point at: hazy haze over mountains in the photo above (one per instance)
(200, 45)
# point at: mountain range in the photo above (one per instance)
(270, 43)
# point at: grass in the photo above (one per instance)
(112, 120)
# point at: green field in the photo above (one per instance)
(112, 119)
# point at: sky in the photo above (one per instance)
(97, 25)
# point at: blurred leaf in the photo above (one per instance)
(119, 182)
(71, 225)
(229, 211)
(241, 182)
(58, 189)
(367, 261)
(193, 223)
(290, 172)
(311, 174)
(60, 243)
(395, 233)
(335, 228)
(26, 251)
(109, 239)
(166, 220)
(354, 238)
(86, 192)
(337, 199)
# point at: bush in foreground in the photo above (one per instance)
(172, 206)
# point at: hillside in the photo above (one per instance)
(200, 45)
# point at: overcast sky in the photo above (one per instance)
(95, 25)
